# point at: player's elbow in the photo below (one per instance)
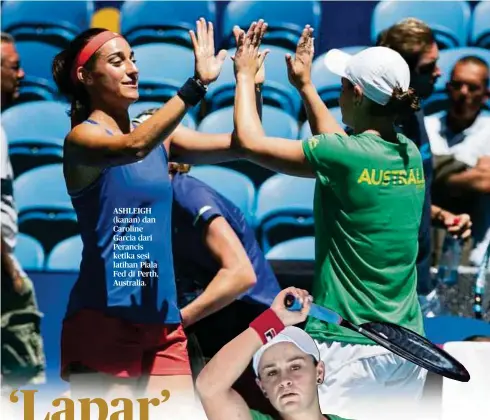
(207, 388)
(244, 275)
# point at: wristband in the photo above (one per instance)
(267, 325)
(192, 91)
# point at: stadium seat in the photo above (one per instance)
(29, 252)
(163, 69)
(480, 30)
(284, 209)
(233, 185)
(443, 329)
(139, 107)
(277, 91)
(66, 255)
(438, 101)
(45, 209)
(449, 20)
(276, 122)
(327, 83)
(295, 249)
(36, 60)
(305, 132)
(286, 20)
(143, 22)
(46, 21)
(35, 132)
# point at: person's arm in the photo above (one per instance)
(93, 146)
(235, 276)
(473, 179)
(214, 383)
(277, 154)
(299, 72)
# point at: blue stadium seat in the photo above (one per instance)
(29, 252)
(138, 107)
(277, 91)
(286, 20)
(295, 249)
(449, 20)
(327, 83)
(284, 209)
(231, 184)
(35, 132)
(66, 255)
(163, 69)
(305, 132)
(47, 21)
(36, 60)
(143, 22)
(442, 329)
(438, 101)
(276, 122)
(480, 30)
(45, 209)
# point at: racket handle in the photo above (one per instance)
(318, 312)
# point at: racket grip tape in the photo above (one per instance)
(291, 303)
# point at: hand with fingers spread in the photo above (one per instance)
(207, 65)
(260, 75)
(299, 67)
(248, 60)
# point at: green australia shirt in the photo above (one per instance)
(259, 416)
(368, 205)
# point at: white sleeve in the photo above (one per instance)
(5, 154)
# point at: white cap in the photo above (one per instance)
(377, 70)
(294, 335)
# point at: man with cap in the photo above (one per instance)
(286, 362)
(368, 203)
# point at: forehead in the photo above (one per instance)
(115, 45)
(469, 71)
(280, 353)
(430, 55)
(9, 51)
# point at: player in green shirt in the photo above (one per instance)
(288, 368)
(368, 204)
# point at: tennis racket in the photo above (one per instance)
(480, 285)
(397, 339)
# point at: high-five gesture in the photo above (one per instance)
(299, 67)
(248, 60)
(260, 75)
(207, 65)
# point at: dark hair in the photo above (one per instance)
(5, 37)
(477, 338)
(62, 68)
(401, 105)
(473, 59)
(410, 38)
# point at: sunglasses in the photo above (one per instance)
(457, 85)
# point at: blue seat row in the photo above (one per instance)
(169, 21)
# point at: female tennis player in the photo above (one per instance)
(368, 204)
(286, 362)
(123, 329)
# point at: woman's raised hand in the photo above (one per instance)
(248, 60)
(207, 65)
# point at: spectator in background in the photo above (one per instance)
(415, 42)
(22, 346)
(460, 141)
